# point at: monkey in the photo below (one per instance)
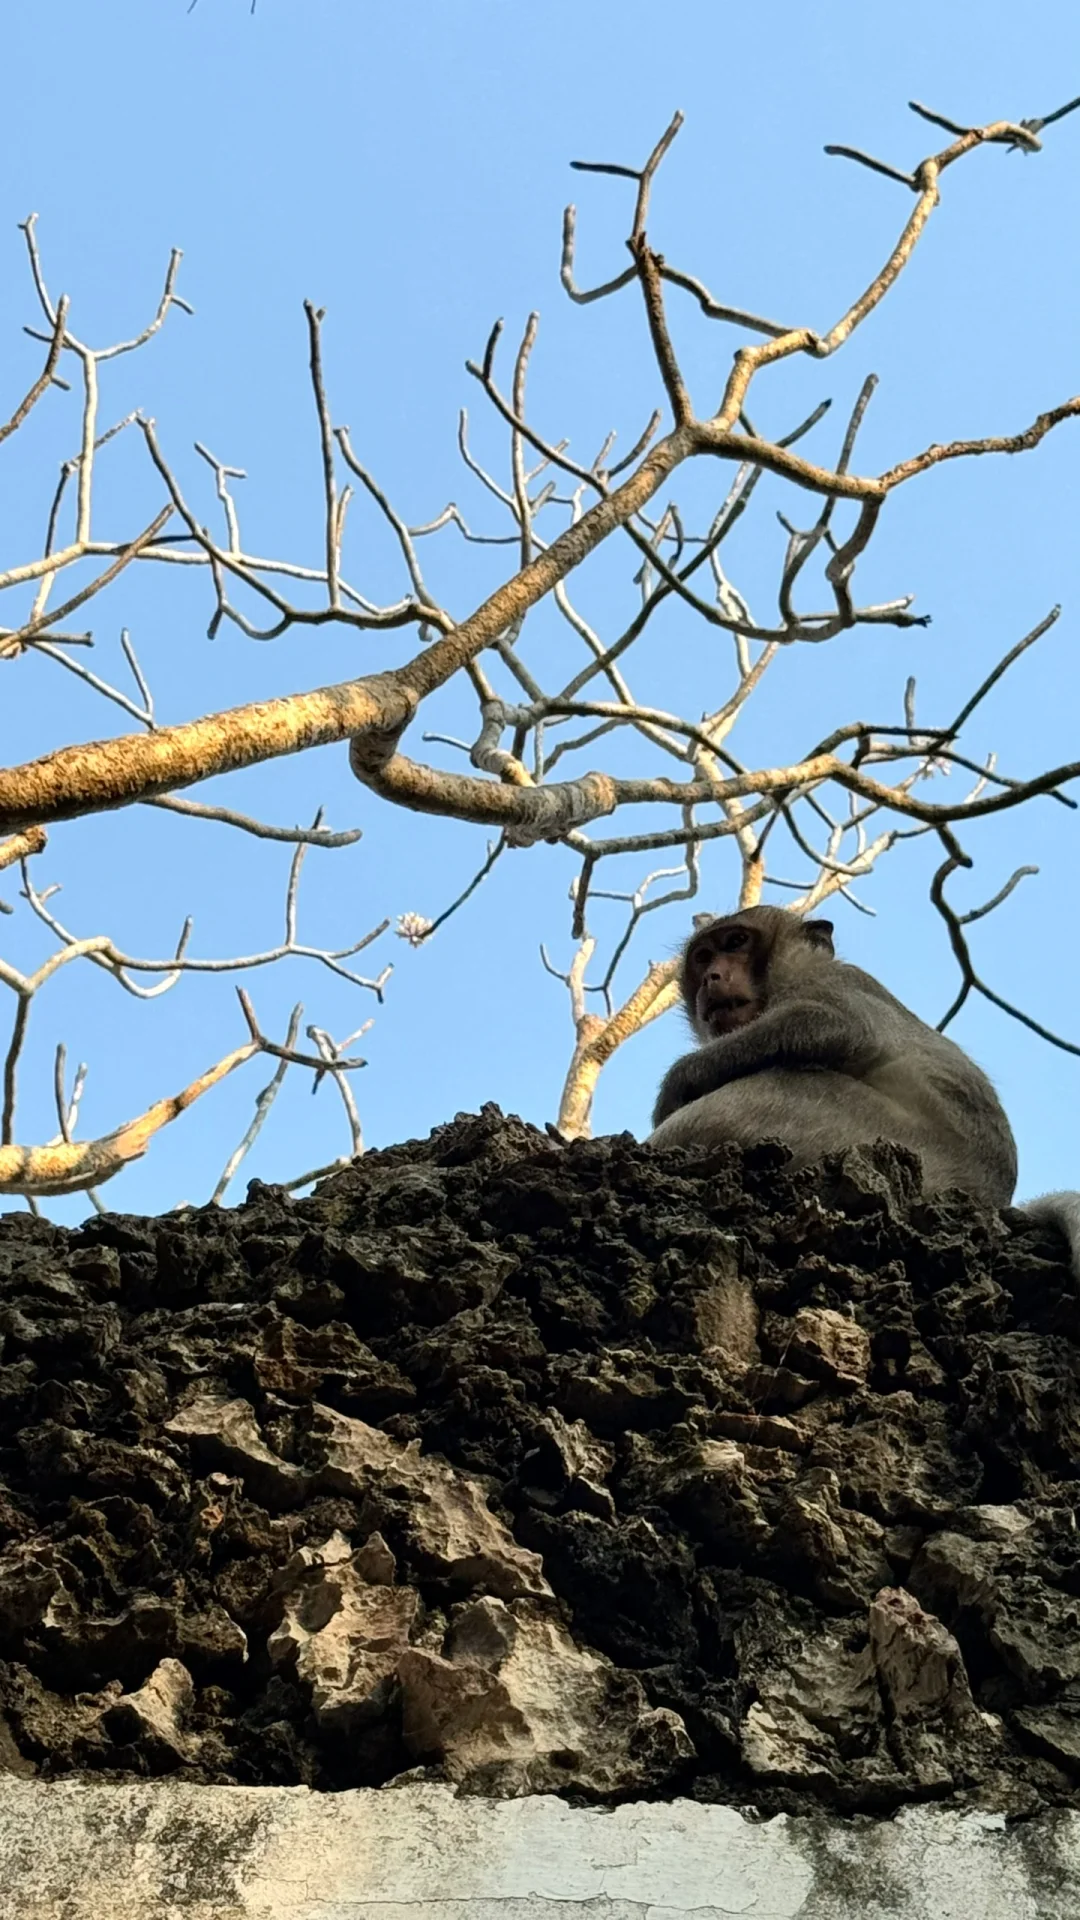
(800, 1047)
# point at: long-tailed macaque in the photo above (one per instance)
(799, 1047)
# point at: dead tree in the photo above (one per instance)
(847, 800)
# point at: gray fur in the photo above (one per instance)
(1060, 1210)
(833, 1061)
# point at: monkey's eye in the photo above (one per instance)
(737, 938)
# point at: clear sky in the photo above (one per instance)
(406, 168)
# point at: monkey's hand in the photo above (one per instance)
(799, 1035)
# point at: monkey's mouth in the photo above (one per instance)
(723, 1015)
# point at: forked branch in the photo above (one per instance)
(834, 810)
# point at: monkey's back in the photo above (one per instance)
(816, 1112)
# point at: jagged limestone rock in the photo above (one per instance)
(588, 1467)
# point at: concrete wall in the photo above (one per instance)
(75, 1851)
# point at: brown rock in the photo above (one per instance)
(648, 1367)
(1030, 1622)
(309, 1361)
(831, 1346)
(761, 1430)
(903, 1461)
(923, 1678)
(11, 1760)
(344, 1627)
(1054, 1731)
(566, 1467)
(512, 1692)
(845, 1549)
(211, 1640)
(715, 1487)
(29, 1577)
(445, 1513)
(154, 1713)
(817, 1720)
(780, 1385)
(225, 1433)
(919, 1662)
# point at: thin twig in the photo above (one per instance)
(315, 316)
(45, 377)
(263, 1103)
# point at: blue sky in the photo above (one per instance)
(406, 168)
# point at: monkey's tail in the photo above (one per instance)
(1060, 1210)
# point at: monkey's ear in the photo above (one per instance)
(819, 933)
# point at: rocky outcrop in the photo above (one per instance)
(538, 1468)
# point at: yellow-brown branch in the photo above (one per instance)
(70, 1166)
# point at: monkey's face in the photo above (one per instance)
(723, 978)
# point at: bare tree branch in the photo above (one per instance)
(835, 808)
(73, 1166)
(45, 377)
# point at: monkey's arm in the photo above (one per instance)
(840, 1034)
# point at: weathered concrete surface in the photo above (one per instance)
(166, 1851)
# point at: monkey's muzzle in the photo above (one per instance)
(725, 1013)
